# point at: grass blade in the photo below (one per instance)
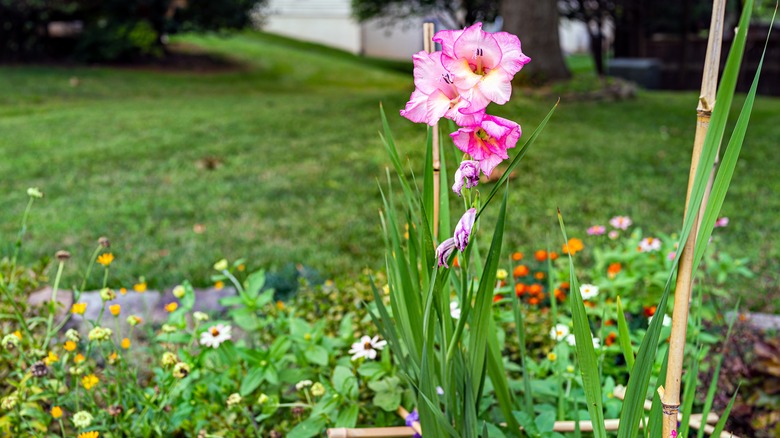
(691, 381)
(721, 424)
(624, 337)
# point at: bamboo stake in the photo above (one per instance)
(670, 393)
(430, 47)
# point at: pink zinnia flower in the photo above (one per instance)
(482, 64)
(597, 230)
(621, 222)
(435, 95)
(649, 244)
(467, 172)
(671, 255)
(721, 222)
(614, 234)
(488, 141)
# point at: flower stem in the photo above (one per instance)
(53, 305)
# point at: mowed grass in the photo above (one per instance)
(294, 137)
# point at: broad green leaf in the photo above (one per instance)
(586, 355)
(348, 417)
(254, 283)
(345, 382)
(317, 354)
(251, 381)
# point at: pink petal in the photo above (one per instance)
(462, 74)
(416, 109)
(496, 86)
(447, 39)
(488, 164)
(437, 105)
(474, 43)
(512, 59)
(428, 72)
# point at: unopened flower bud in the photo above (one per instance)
(34, 192)
(179, 291)
(107, 294)
(62, 255)
(104, 242)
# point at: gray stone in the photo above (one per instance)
(644, 71)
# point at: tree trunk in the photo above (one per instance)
(535, 22)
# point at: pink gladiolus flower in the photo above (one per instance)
(721, 222)
(488, 141)
(596, 230)
(463, 229)
(468, 172)
(435, 96)
(482, 64)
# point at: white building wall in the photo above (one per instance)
(398, 42)
(326, 22)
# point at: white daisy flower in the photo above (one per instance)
(649, 244)
(215, 335)
(589, 291)
(559, 332)
(666, 322)
(454, 309)
(572, 341)
(367, 347)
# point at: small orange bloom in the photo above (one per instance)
(613, 269)
(125, 343)
(115, 309)
(456, 263)
(553, 256)
(241, 267)
(219, 285)
(140, 287)
(574, 246)
(539, 275)
(122, 290)
(497, 298)
(610, 339)
(650, 311)
(517, 256)
(70, 346)
(171, 307)
(520, 271)
(535, 289)
(609, 322)
(565, 285)
(520, 289)
(91, 434)
(78, 358)
(56, 412)
(78, 308)
(559, 294)
(540, 255)
(533, 301)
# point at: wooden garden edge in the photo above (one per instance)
(560, 426)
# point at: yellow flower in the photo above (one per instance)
(241, 267)
(221, 265)
(140, 287)
(552, 357)
(105, 259)
(171, 307)
(92, 434)
(51, 358)
(56, 412)
(115, 309)
(122, 290)
(219, 285)
(70, 346)
(112, 357)
(78, 358)
(78, 308)
(134, 320)
(125, 343)
(18, 334)
(501, 274)
(89, 381)
(280, 305)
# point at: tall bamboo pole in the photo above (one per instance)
(670, 393)
(430, 47)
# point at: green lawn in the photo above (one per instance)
(295, 132)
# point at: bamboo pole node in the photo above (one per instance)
(670, 409)
(705, 106)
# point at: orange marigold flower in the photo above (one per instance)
(517, 256)
(105, 259)
(78, 358)
(520, 289)
(125, 343)
(456, 263)
(115, 309)
(610, 339)
(540, 255)
(497, 298)
(559, 295)
(123, 290)
(78, 308)
(539, 275)
(56, 412)
(553, 256)
(613, 269)
(650, 311)
(171, 307)
(219, 285)
(565, 285)
(533, 301)
(574, 246)
(609, 322)
(520, 271)
(535, 289)
(70, 346)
